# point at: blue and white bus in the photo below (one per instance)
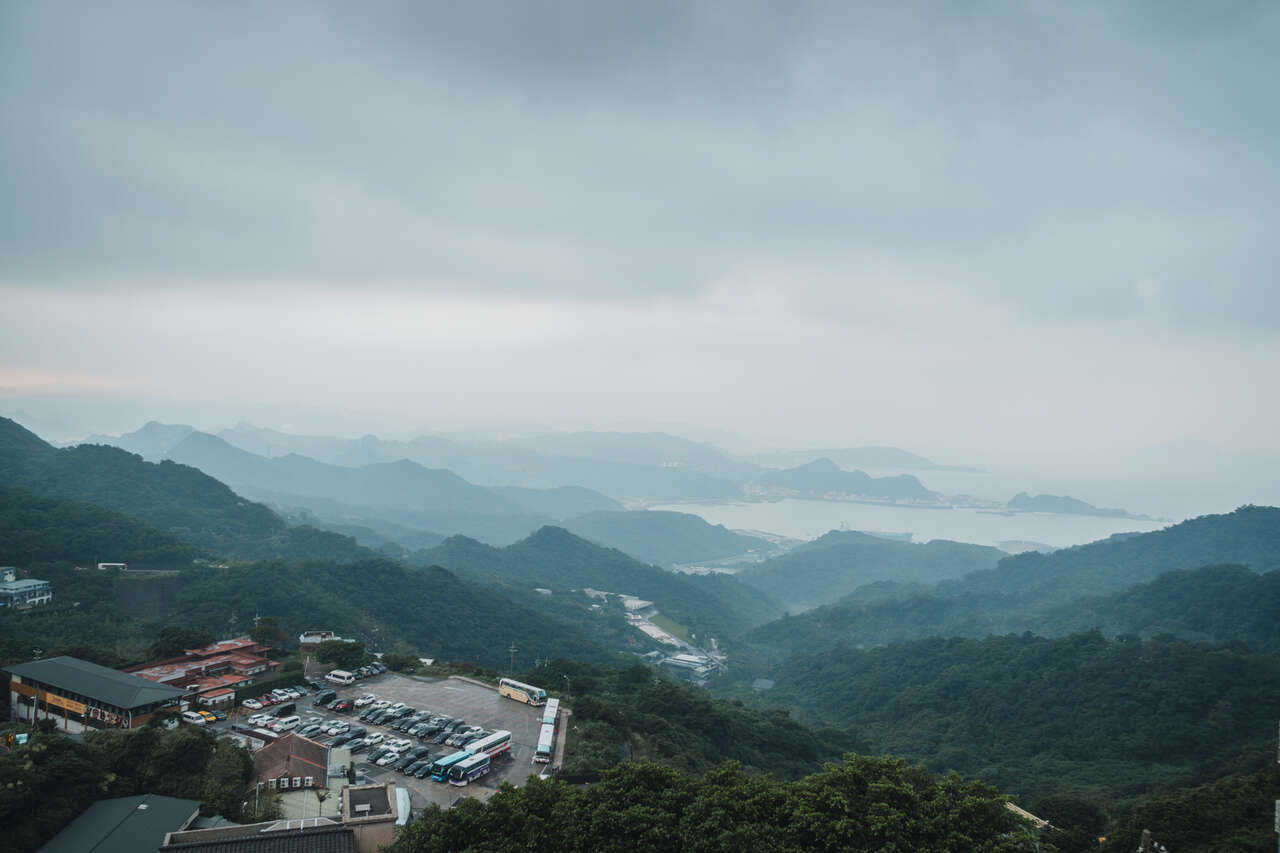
(550, 714)
(440, 770)
(490, 745)
(471, 767)
(546, 743)
(522, 692)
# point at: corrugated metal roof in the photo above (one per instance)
(98, 682)
(123, 825)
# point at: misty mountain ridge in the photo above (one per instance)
(175, 498)
(823, 477)
(838, 563)
(1034, 592)
(665, 538)
(854, 457)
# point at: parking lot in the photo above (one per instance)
(474, 702)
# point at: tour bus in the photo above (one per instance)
(491, 745)
(471, 767)
(551, 713)
(440, 769)
(546, 740)
(341, 676)
(521, 692)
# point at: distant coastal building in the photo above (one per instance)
(79, 695)
(22, 594)
(309, 641)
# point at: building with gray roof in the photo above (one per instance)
(124, 825)
(78, 694)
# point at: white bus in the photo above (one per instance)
(492, 745)
(546, 742)
(522, 692)
(341, 676)
(469, 768)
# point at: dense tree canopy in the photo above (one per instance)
(861, 804)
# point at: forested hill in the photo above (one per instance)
(35, 529)
(1249, 536)
(177, 499)
(862, 804)
(663, 538)
(834, 565)
(556, 559)
(1044, 716)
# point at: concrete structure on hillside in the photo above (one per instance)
(372, 811)
(25, 593)
(77, 695)
(124, 825)
(309, 641)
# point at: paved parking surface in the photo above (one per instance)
(475, 703)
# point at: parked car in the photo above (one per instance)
(413, 765)
(368, 713)
(390, 758)
(315, 685)
(219, 715)
(378, 668)
(300, 689)
(366, 699)
(339, 728)
(343, 706)
(378, 753)
(357, 745)
(440, 737)
(364, 672)
(400, 743)
(251, 704)
(381, 703)
(374, 738)
(421, 772)
(308, 730)
(417, 729)
(324, 697)
(397, 706)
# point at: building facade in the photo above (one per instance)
(79, 695)
(25, 593)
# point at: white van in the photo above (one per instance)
(341, 676)
(283, 725)
(194, 718)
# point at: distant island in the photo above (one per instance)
(823, 479)
(1061, 504)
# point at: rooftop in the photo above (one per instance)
(222, 647)
(314, 835)
(124, 825)
(97, 682)
(17, 586)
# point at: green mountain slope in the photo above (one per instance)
(663, 538)
(175, 498)
(1112, 717)
(558, 560)
(35, 529)
(835, 564)
(1249, 536)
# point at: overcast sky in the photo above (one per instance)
(946, 226)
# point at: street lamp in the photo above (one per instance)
(567, 688)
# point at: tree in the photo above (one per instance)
(173, 640)
(400, 662)
(342, 655)
(268, 632)
(226, 776)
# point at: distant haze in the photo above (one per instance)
(1032, 236)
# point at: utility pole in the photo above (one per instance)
(512, 669)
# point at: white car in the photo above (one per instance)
(365, 700)
(338, 728)
(397, 706)
(381, 703)
(373, 739)
(388, 759)
(260, 720)
(251, 704)
(400, 744)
